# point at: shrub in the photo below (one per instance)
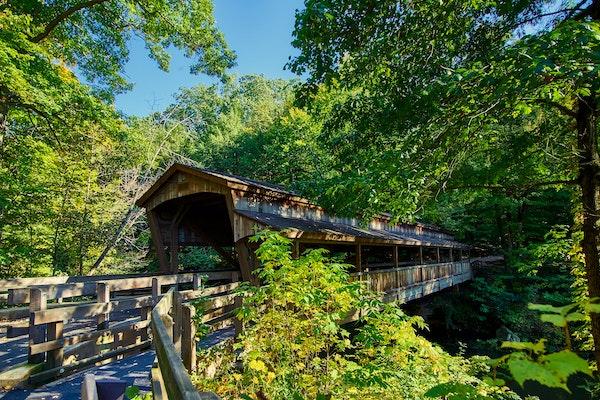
(293, 346)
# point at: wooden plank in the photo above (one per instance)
(177, 321)
(37, 334)
(89, 310)
(103, 297)
(18, 374)
(123, 326)
(220, 289)
(207, 317)
(159, 392)
(49, 374)
(56, 356)
(188, 337)
(88, 388)
(219, 301)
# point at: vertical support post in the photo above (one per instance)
(157, 240)
(296, 249)
(439, 260)
(103, 296)
(196, 282)
(358, 261)
(241, 247)
(174, 248)
(188, 338)
(144, 316)
(421, 255)
(37, 333)
(237, 324)
(155, 290)
(56, 356)
(177, 320)
(396, 261)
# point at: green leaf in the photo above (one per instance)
(494, 382)
(523, 370)
(132, 392)
(554, 319)
(565, 363)
(452, 388)
(538, 347)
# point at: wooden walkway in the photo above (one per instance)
(135, 370)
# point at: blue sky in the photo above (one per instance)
(259, 31)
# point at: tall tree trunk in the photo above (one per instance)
(589, 170)
(3, 123)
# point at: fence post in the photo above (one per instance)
(56, 356)
(188, 337)
(144, 316)
(155, 290)
(237, 324)
(196, 282)
(177, 320)
(37, 333)
(103, 296)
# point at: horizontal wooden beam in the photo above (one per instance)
(89, 310)
(66, 290)
(88, 336)
(49, 374)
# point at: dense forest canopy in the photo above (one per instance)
(478, 116)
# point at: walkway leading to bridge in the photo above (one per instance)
(134, 370)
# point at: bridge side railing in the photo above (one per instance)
(80, 290)
(107, 328)
(173, 337)
(390, 279)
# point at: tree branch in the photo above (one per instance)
(571, 11)
(63, 16)
(525, 186)
(564, 109)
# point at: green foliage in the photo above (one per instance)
(134, 393)
(70, 166)
(530, 362)
(293, 346)
(455, 391)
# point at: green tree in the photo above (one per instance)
(70, 166)
(430, 83)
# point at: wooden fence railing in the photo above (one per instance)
(115, 283)
(408, 283)
(80, 290)
(173, 336)
(70, 335)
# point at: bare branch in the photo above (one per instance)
(62, 17)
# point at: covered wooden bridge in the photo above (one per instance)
(60, 325)
(189, 206)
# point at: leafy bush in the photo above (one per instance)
(294, 347)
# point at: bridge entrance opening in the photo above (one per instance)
(196, 232)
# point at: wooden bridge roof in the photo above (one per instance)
(253, 203)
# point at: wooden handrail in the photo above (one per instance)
(170, 378)
(20, 295)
